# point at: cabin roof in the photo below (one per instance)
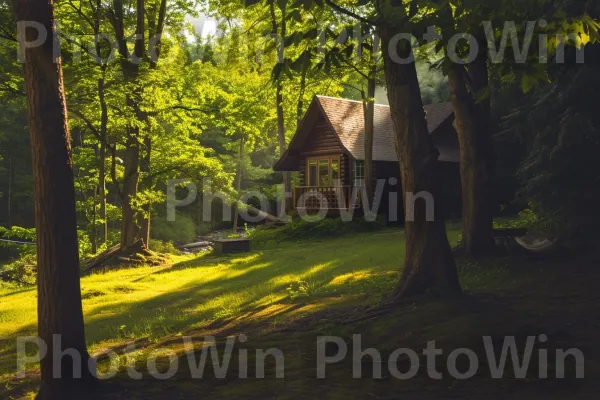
(346, 118)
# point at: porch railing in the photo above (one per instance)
(317, 197)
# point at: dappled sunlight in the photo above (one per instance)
(270, 287)
(350, 277)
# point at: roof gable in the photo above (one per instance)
(347, 119)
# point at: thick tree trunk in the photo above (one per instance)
(369, 111)
(59, 295)
(475, 160)
(130, 189)
(429, 263)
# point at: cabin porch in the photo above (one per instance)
(327, 182)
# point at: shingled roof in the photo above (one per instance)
(347, 119)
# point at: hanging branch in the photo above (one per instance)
(349, 13)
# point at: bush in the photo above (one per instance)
(163, 247)
(180, 231)
(22, 270)
(299, 229)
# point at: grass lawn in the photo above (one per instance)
(279, 282)
(299, 287)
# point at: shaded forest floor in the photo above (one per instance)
(517, 296)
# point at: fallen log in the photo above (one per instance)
(194, 245)
(137, 253)
(6, 278)
(97, 261)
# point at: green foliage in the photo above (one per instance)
(162, 247)
(18, 234)
(299, 229)
(559, 125)
(23, 270)
(180, 231)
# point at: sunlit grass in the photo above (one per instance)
(155, 302)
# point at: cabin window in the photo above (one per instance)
(323, 172)
(312, 173)
(335, 172)
(359, 173)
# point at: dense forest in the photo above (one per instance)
(151, 101)
(199, 99)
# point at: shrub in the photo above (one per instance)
(163, 247)
(299, 229)
(180, 231)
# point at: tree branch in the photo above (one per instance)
(349, 13)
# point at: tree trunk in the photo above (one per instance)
(369, 111)
(59, 294)
(94, 235)
(475, 155)
(130, 188)
(102, 160)
(238, 186)
(9, 194)
(287, 182)
(144, 233)
(428, 261)
(281, 29)
(102, 192)
(130, 69)
(300, 105)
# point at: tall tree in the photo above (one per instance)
(279, 31)
(469, 95)
(428, 259)
(429, 262)
(59, 294)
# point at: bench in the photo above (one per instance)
(230, 246)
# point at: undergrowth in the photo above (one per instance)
(299, 229)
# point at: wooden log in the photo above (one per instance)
(194, 245)
(115, 252)
(100, 259)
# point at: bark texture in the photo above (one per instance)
(477, 216)
(476, 155)
(287, 181)
(59, 295)
(130, 68)
(369, 111)
(429, 263)
(278, 29)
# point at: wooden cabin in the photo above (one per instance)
(328, 152)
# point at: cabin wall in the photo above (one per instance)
(302, 166)
(346, 169)
(321, 141)
(450, 189)
(391, 197)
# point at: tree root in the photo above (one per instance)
(136, 255)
